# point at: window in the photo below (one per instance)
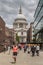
(21, 33)
(22, 39)
(20, 25)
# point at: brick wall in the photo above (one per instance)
(2, 30)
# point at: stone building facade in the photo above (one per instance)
(20, 27)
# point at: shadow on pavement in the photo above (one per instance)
(12, 62)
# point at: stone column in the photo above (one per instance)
(18, 25)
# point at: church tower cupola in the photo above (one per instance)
(20, 10)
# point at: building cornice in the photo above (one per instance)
(20, 19)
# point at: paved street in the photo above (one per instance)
(22, 59)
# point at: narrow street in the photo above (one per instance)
(22, 59)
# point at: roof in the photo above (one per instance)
(20, 16)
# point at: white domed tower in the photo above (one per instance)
(20, 27)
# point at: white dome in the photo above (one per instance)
(20, 16)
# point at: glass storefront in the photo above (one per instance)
(38, 22)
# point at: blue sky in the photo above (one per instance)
(10, 8)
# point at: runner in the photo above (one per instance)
(15, 51)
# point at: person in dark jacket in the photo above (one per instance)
(25, 48)
(33, 50)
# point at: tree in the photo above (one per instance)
(17, 38)
(34, 40)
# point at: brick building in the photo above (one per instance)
(9, 36)
(2, 34)
(30, 33)
(2, 30)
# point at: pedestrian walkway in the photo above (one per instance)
(22, 59)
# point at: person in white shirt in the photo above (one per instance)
(28, 49)
(37, 49)
(9, 49)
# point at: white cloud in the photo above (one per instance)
(9, 10)
(10, 26)
(9, 0)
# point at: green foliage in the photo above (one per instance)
(34, 40)
(17, 38)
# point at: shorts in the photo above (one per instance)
(14, 53)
